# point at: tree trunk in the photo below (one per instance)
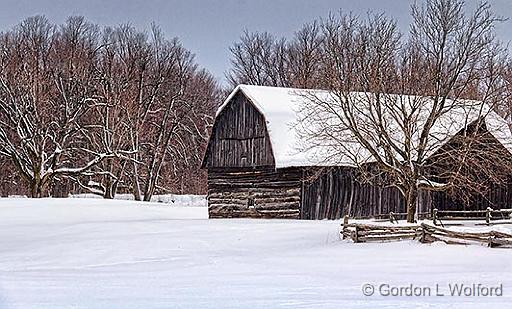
(108, 190)
(410, 202)
(36, 188)
(113, 191)
(114, 183)
(136, 184)
(149, 189)
(4, 192)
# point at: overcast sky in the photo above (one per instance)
(208, 27)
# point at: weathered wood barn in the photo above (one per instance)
(255, 169)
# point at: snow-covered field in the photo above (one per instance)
(90, 253)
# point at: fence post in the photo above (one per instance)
(488, 215)
(490, 242)
(391, 217)
(356, 236)
(345, 225)
(434, 216)
(422, 239)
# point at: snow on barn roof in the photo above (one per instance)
(281, 107)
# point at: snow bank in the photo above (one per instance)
(185, 200)
(84, 253)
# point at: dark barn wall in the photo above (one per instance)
(239, 137)
(256, 194)
(336, 193)
(498, 197)
(287, 193)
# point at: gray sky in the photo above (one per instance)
(208, 27)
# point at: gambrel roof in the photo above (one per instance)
(281, 107)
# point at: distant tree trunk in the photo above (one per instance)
(36, 188)
(148, 194)
(136, 190)
(136, 184)
(109, 193)
(113, 182)
(149, 189)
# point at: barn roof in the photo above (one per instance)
(281, 107)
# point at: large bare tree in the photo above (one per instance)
(45, 100)
(394, 101)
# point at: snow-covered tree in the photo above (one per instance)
(156, 102)
(46, 100)
(396, 102)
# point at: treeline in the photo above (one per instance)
(370, 53)
(100, 110)
(107, 110)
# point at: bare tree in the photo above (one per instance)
(262, 59)
(395, 102)
(45, 100)
(122, 65)
(505, 108)
(258, 58)
(304, 57)
(185, 151)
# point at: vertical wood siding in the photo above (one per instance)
(499, 197)
(239, 137)
(336, 193)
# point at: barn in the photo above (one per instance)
(256, 170)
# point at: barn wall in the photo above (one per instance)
(336, 193)
(499, 194)
(257, 193)
(498, 197)
(290, 193)
(239, 137)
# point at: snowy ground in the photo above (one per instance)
(89, 253)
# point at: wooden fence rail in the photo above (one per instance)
(438, 216)
(489, 214)
(492, 238)
(368, 232)
(395, 216)
(424, 233)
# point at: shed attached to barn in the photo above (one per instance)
(256, 168)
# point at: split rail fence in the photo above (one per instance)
(424, 233)
(489, 215)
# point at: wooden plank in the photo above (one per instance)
(391, 237)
